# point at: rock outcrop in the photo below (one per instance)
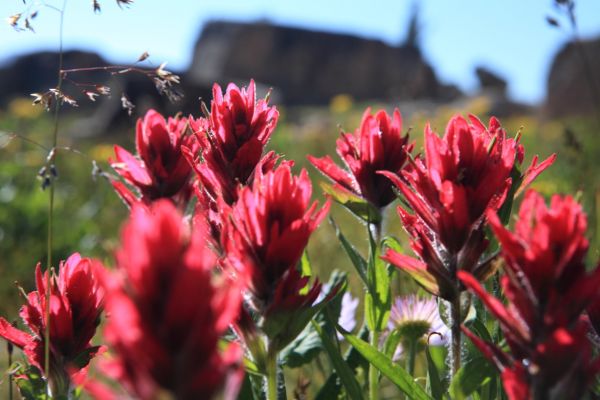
(493, 87)
(309, 67)
(574, 80)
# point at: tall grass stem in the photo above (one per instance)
(52, 160)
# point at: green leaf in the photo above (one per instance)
(473, 374)
(307, 345)
(433, 377)
(83, 358)
(305, 267)
(378, 299)
(439, 355)
(425, 279)
(391, 343)
(402, 379)
(478, 327)
(489, 391)
(506, 208)
(392, 243)
(252, 388)
(357, 260)
(332, 388)
(282, 328)
(305, 270)
(343, 370)
(251, 367)
(355, 204)
(246, 392)
(303, 349)
(29, 381)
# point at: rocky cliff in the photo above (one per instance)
(309, 67)
(574, 80)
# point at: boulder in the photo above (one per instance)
(574, 81)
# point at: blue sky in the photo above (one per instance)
(510, 37)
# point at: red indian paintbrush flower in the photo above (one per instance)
(76, 303)
(377, 145)
(555, 368)
(464, 174)
(547, 289)
(213, 211)
(168, 308)
(267, 232)
(232, 140)
(161, 171)
(546, 253)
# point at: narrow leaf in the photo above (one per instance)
(303, 349)
(392, 243)
(433, 377)
(478, 327)
(391, 343)
(251, 367)
(357, 260)
(305, 267)
(343, 370)
(378, 299)
(402, 379)
(355, 204)
(505, 210)
(332, 387)
(474, 373)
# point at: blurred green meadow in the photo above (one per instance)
(89, 215)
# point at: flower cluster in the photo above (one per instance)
(266, 233)
(252, 221)
(161, 171)
(464, 174)
(547, 288)
(76, 304)
(232, 140)
(377, 145)
(167, 310)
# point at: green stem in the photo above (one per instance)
(271, 376)
(51, 161)
(375, 231)
(375, 228)
(412, 355)
(455, 319)
(9, 350)
(373, 372)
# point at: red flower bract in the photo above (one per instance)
(465, 174)
(167, 310)
(547, 289)
(547, 252)
(377, 145)
(267, 232)
(76, 303)
(161, 170)
(232, 140)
